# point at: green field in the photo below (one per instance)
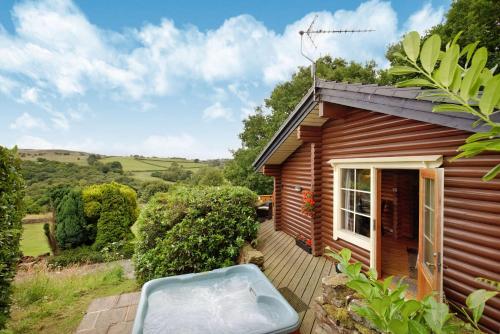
(79, 158)
(33, 242)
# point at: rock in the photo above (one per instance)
(335, 290)
(249, 254)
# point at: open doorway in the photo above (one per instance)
(399, 213)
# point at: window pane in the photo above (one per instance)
(347, 200)
(429, 193)
(363, 225)
(348, 178)
(429, 254)
(363, 203)
(363, 179)
(347, 220)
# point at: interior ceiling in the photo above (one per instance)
(291, 143)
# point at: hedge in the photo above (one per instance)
(11, 213)
(193, 230)
(71, 228)
(113, 209)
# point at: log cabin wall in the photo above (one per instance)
(471, 206)
(295, 172)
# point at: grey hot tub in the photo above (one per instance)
(238, 299)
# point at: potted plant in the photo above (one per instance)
(304, 243)
(308, 203)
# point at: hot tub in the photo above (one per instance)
(238, 299)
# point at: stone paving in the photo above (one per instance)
(110, 315)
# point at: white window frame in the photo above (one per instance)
(404, 162)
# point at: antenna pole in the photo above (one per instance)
(309, 32)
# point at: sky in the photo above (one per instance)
(170, 78)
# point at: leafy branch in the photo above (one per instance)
(469, 88)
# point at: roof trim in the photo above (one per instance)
(294, 119)
(401, 102)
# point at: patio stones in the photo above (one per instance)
(109, 315)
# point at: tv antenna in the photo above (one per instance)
(312, 31)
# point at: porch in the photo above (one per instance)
(295, 273)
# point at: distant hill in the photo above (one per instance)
(136, 166)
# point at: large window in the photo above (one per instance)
(355, 201)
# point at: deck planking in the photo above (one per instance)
(288, 266)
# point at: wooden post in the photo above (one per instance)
(275, 172)
(312, 136)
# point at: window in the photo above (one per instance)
(355, 201)
(428, 220)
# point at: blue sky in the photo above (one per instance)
(168, 78)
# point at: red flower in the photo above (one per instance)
(309, 242)
(308, 204)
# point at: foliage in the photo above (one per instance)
(150, 188)
(261, 126)
(472, 88)
(48, 302)
(308, 203)
(389, 310)
(193, 229)
(11, 213)
(112, 208)
(78, 255)
(477, 19)
(42, 176)
(208, 176)
(175, 172)
(71, 228)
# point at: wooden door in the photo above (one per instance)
(430, 236)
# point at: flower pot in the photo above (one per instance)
(302, 244)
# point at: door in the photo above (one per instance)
(430, 237)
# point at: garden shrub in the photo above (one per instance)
(150, 188)
(79, 255)
(112, 209)
(193, 230)
(71, 228)
(11, 213)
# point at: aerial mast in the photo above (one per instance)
(311, 31)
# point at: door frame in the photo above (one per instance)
(376, 164)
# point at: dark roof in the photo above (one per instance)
(389, 100)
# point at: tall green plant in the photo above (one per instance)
(471, 88)
(11, 213)
(388, 309)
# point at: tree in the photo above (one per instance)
(11, 213)
(473, 88)
(92, 159)
(261, 126)
(71, 228)
(476, 19)
(208, 176)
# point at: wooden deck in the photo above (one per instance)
(295, 273)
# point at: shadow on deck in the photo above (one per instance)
(295, 273)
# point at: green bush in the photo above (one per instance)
(149, 189)
(79, 255)
(113, 209)
(71, 228)
(193, 230)
(11, 213)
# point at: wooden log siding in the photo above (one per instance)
(295, 171)
(471, 206)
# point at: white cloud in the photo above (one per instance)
(425, 18)
(27, 122)
(217, 110)
(30, 95)
(34, 143)
(55, 47)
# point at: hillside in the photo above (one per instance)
(137, 167)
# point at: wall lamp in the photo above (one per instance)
(297, 189)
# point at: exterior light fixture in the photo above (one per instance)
(297, 189)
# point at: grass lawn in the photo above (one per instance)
(55, 303)
(34, 242)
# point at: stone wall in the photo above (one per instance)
(248, 254)
(333, 309)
